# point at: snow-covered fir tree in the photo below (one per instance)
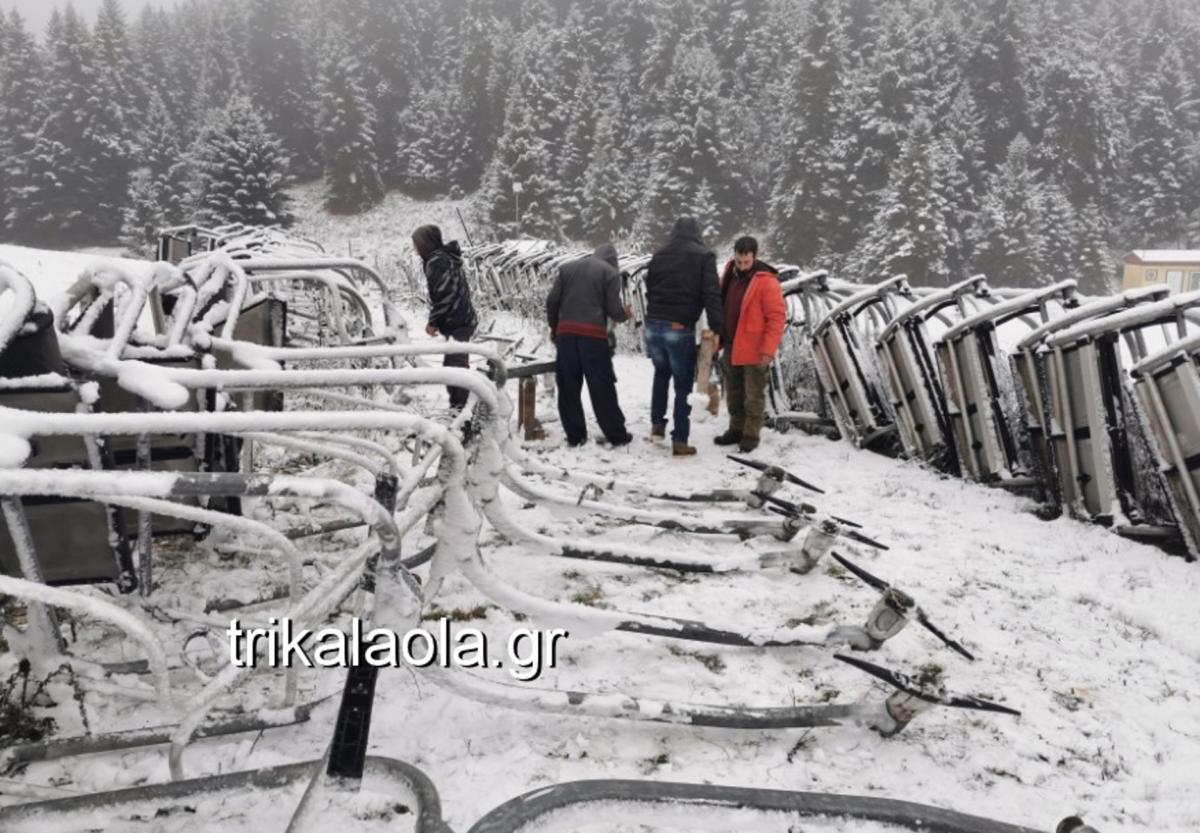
(347, 122)
(71, 181)
(279, 79)
(808, 103)
(812, 191)
(914, 232)
(20, 89)
(1008, 242)
(159, 186)
(240, 169)
(1157, 199)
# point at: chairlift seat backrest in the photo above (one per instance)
(70, 536)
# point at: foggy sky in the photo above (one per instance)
(37, 12)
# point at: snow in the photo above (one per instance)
(52, 273)
(1096, 639)
(1168, 256)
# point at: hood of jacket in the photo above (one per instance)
(688, 229)
(427, 239)
(608, 253)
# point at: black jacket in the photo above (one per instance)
(450, 308)
(585, 295)
(681, 280)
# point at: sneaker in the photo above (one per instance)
(658, 432)
(682, 449)
(730, 437)
(748, 444)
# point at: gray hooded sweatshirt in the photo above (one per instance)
(585, 295)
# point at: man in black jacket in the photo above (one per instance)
(681, 282)
(585, 296)
(450, 310)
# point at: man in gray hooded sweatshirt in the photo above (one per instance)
(585, 296)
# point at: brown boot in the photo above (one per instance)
(682, 450)
(658, 432)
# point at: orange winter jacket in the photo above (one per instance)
(761, 319)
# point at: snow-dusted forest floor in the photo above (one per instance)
(1094, 638)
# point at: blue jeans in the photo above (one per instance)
(673, 352)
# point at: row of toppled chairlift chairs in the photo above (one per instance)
(1089, 404)
(144, 420)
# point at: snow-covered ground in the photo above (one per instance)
(1094, 638)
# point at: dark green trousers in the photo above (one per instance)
(745, 396)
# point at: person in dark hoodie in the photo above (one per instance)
(450, 310)
(585, 296)
(755, 316)
(681, 282)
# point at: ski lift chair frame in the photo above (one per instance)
(977, 383)
(553, 807)
(840, 344)
(1087, 391)
(885, 621)
(1030, 362)
(158, 486)
(911, 375)
(155, 493)
(1167, 386)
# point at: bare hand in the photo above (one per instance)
(430, 330)
(629, 310)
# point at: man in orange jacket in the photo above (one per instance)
(755, 315)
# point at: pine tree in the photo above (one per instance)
(812, 191)
(347, 124)
(384, 38)
(157, 62)
(689, 144)
(1096, 263)
(574, 155)
(1157, 196)
(158, 188)
(525, 153)
(997, 76)
(20, 90)
(914, 233)
(608, 209)
(70, 184)
(210, 59)
(1079, 132)
(280, 80)
(241, 170)
(118, 79)
(1008, 243)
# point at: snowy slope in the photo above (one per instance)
(1095, 639)
(53, 272)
